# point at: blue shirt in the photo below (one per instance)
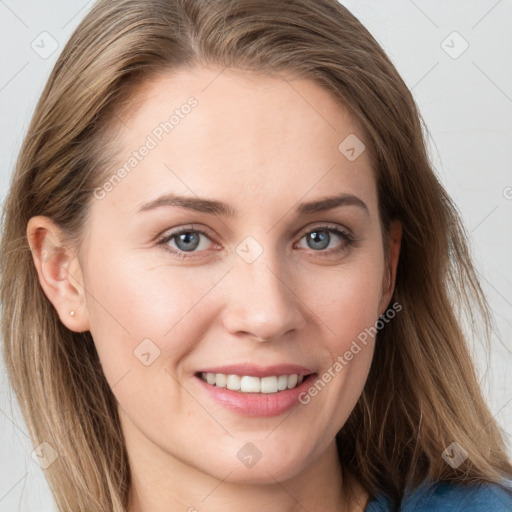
(447, 497)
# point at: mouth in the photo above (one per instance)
(253, 384)
(255, 391)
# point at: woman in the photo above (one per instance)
(304, 351)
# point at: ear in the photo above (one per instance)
(59, 272)
(388, 282)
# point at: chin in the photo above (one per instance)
(246, 464)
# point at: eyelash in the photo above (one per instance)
(347, 237)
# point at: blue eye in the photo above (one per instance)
(188, 241)
(319, 239)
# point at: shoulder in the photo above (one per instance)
(444, 497)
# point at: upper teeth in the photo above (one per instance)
(251, 384)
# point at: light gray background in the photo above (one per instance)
(466, 103)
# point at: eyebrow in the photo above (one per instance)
(220, 208)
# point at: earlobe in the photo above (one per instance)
(394, 244)
(59, 272)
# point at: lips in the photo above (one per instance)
(258, 371)
(253, 402)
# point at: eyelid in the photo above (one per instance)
(326, 226)
(186, 227)
(169, 234)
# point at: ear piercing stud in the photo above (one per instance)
(72, 313)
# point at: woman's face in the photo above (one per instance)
(245, 271)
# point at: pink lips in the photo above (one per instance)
(258, 371)
(257, 404)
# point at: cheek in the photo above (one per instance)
(347, 306)
(144, 321)
(136, 308)
(346, 299)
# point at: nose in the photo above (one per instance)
(262, 304)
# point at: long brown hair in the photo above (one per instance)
(422, 393)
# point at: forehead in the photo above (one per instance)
(243, 137)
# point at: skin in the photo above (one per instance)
(261, 144)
